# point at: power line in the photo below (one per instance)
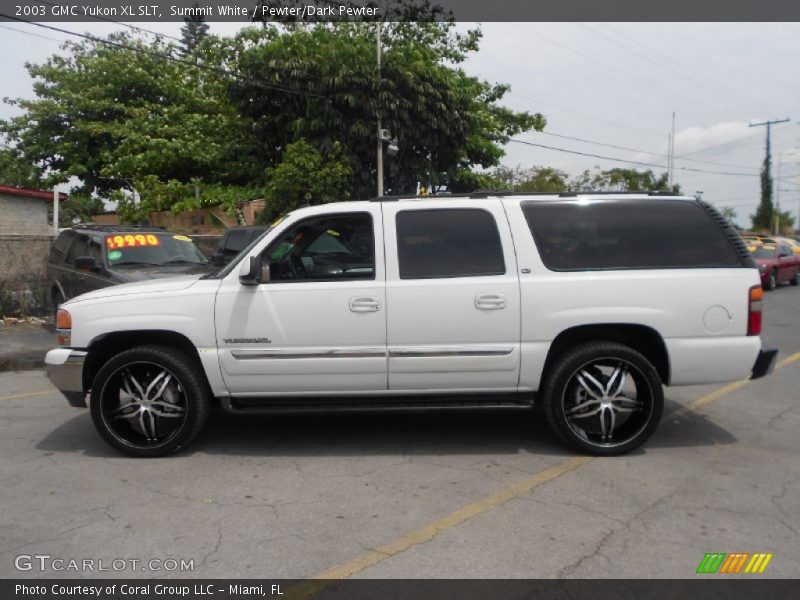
(30, 33)
(662, 155)
(678, 69)
(168, 57)
(132, 27)
(631, 162)
(612, 68)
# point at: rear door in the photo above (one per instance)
(453, 320)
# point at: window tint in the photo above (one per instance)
(627, 234)
(62, 242)
(79, 248)
(236, 240)
(448, 243)
(328, 248)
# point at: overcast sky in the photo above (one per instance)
(615, 84)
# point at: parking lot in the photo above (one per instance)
(446, 495)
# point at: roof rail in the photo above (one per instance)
(482, 193)
(102, 227)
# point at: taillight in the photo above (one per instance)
(63, 328)
(754, 310)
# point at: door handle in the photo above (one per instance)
(490, 301)
(364, 304)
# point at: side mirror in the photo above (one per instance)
(86, 263)
(250, 271)
(218, 259)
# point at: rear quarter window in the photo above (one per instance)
(627, 234)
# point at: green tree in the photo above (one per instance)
(78, 209)
(17, 171)
(446, 122)
(306, 176)
(764, 217)
(193, 32)
(622, 180)
(116, 115)
(728, 212)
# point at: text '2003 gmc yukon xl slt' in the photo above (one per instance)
(587, 303)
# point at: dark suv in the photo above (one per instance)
(89, 257)
(235, 240)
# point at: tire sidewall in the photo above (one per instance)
(564, 370)
(190, 379)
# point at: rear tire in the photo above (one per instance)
(603, 398)
(795, 281)
(150, 401)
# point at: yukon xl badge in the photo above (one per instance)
(247, 340)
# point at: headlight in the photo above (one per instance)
(63, 328)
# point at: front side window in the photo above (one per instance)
(452, 242)
(326, 248)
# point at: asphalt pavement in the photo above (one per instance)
(469, 495)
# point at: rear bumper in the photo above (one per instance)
(764, 363)
(64, 368)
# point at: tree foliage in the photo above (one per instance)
(16, 170)
(193, 32)
(764, 217)
(548, 179)
(140, 122)
(446, 122)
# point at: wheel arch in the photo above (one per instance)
(642, 338)
(105, 346)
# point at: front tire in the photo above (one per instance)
(772, 282)
(150, 401)
(603, 398)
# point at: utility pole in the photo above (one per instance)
(55, 210)
(671, 167)
(766, 178)
(380, 129)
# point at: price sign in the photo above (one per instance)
(117, 242)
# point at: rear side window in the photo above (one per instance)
(62, 243)
(627, 234)
(236, 240)
(448, 243)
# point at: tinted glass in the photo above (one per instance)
(448, 243)
(79, 248)
(763, 252)
(236, 240)
(627, 234)
(151, 249)
(63, 242)
(329, 248)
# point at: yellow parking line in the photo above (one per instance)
(427, 532)
(28, 395)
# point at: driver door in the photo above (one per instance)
(316, 321)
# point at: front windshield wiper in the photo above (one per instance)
(181, 261)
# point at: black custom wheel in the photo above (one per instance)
(150, 401)
(603, 398)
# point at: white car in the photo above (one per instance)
(585, 303)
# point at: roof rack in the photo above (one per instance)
(121, 228)
(477, 194)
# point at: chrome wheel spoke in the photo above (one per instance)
(590, 413)
(161, 389)
(607, 428)
(131, 380)
(154, 382)
(127, 410)
(147, 421)
(165, 409)
(586, 381)
(617, 381)
(576, 410)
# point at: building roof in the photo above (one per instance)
(10, 190)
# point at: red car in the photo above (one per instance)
(776, 263)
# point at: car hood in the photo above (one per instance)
(145, 272)
(160, 284)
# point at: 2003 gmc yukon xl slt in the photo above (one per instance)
(587, 303)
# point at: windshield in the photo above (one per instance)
(152, 249)
(763, 252)
(223, 271)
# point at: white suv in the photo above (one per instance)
(585, 303)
